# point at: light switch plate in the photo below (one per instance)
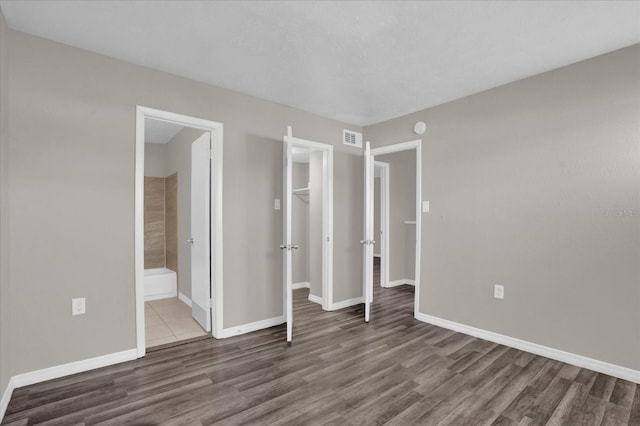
(276, 204)
(78, 306)
(498, 291)
(425, 207)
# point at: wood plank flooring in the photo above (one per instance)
(341, 371)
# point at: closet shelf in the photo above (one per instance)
(301, 191)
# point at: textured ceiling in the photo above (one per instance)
(359, 62)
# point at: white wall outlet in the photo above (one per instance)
(78, 306)
(498, 291)
(276, 204)
(425, 207)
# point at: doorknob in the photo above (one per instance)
(282, 247)
(190, 241)
(363, 242)
(295, 247)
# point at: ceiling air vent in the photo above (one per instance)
(352, 138)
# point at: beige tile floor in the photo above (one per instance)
(169, 320)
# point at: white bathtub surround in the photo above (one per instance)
(160, 283)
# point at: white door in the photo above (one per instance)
(368, 241)
(286, 245)
(200, 233)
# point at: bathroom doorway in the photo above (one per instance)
(178, 228)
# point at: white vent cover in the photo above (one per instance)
(352, 138)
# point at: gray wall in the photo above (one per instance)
(5, 370)
(179, 161)
(155, 160)
(402, 199)
(315, 222)
(300, 224)
(71, 147)
(348, 178)
(525, 183)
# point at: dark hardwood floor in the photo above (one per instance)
(340, 371)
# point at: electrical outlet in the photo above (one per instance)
(425, 207)
(78, 306)
(498, 291)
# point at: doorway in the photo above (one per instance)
(381, 223)
(402, 231)
(178, 228)
(307, 223)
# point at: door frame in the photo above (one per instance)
(216, 133)
(384, 220)
(327, 216)
(399, 147)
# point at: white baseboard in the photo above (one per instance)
(316, 299)
(159, 296)
(556, 354)
(184, 299)
(252, 326)
(346, 303)
(297, 286)
(37, 376)
(58, 371)
(400, 282)
(6, 397)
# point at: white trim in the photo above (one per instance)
(139, 232)
(300, 285)
(399, 282)
(405, 146)
(75, 367)
(252, 326)
(385, 177)
(216, 130)
(346, 303)
(534, 348)
(55, 372)
(384, 221)
(327, 212)
(398, 147)
(184, 299)
(6, 397)
(315, 299)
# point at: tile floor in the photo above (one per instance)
(169, 320)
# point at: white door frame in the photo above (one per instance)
(405, 146)
(383, 238)
(327, 216)
(215, 130)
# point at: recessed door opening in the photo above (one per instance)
(392, 221)
(178, 180)
(308, 223)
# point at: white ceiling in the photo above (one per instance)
(359, 62)
(158, 131)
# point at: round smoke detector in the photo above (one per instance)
(420, 127)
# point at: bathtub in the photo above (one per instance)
(160, 283)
